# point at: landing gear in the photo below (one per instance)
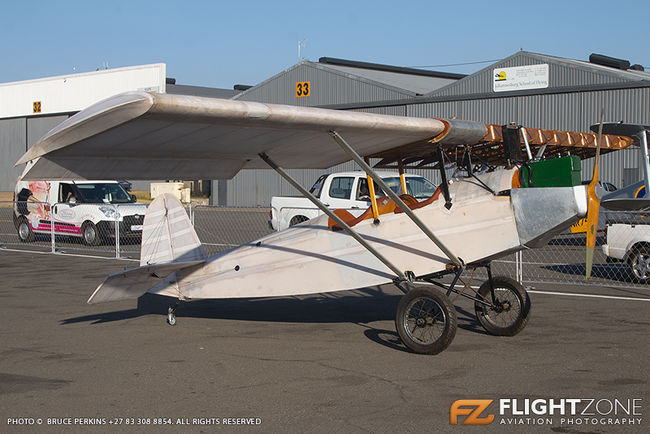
(426, 320)
(171, 314)
(509, 308)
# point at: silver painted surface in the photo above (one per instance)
(183, 137)
(541, 213)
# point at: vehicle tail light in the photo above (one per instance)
(270, 212)
(605, 235)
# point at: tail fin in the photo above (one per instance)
(168, 235)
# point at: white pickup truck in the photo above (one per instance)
(347, 190)
(627, 239)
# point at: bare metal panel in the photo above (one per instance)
(12, 146)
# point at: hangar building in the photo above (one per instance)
(530, 89)
(29, 109)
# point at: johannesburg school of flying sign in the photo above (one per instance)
(520, 78)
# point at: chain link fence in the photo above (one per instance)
(221, 228)
(621, 257)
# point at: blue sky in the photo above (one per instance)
(219, 44)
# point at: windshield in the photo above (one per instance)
(103, 193)
(318, 186)
(416, 186)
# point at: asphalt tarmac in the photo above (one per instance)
(312, 364)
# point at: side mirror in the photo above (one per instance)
(72, 201)
(133, 198)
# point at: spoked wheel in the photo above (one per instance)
(510, 311)
(426, 320)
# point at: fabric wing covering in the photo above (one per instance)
(140, 135)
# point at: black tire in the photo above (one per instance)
(639, 263)
(25, 232)
(426, 320)
(90, 234)
(511, 310)
(297, 220)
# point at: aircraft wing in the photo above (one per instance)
(626, 204)
(140, 135)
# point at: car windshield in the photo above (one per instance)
(318, 186)
(103, 193)
(416, 186)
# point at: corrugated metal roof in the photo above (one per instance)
(182, 89)
(417, 84)
(562, 73)
(386, 84)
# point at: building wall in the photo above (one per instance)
(326, 87)
(16, 135)
(12, 146)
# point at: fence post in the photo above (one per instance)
(52, 235)
(191, 214)
(117, 233)
(519, 262)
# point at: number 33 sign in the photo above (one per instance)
(302, 89)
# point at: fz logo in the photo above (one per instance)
(472, 408)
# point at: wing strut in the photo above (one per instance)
(356, 157)
(331, 215)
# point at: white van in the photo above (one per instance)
(86, 209)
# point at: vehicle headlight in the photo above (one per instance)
(109, 212)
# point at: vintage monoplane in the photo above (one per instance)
(490, 212)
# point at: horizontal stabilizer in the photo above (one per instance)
(135, 282)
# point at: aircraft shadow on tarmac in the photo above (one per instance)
(362, 308)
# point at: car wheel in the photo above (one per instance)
(25, 232)
(89, 234)
(297, 220)
(639, 264)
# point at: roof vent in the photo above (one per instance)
(612, 62)
(241, 87)
(637, 67)
(170, 80)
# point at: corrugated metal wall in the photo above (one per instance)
(571, 111)
(16, 135)
(326, 87)
(562, 72)
(12, 146)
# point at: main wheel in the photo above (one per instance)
(510, 311)
(25, 232)
(639, 263)
(90, 234)
(425, 320)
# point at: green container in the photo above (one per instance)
(557, 172)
